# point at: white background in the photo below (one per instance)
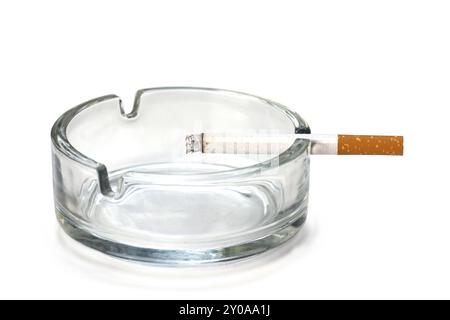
(378, 227)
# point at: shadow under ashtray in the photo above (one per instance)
(214, 276)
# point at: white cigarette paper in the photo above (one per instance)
(257, 144)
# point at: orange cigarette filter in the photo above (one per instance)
(370, 145)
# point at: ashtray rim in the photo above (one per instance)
(62, 144)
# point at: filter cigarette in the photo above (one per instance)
(333, 144)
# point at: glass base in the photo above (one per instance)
(184, 256)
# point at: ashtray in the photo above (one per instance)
(125, 185)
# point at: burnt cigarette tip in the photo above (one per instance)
(194, 143)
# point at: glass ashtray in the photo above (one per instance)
(124, 184)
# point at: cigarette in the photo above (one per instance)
(327, 144)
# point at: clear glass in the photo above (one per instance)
(124, 185)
